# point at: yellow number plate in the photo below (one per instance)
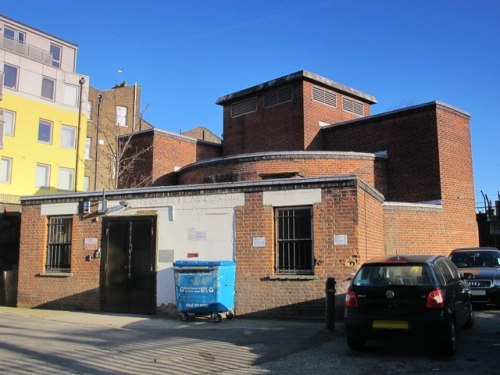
(390, 324)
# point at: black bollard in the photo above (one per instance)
(330, 304)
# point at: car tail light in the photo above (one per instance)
(351, 299)
(435, 299)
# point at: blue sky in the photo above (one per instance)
(186, 54)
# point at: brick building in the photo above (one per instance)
(306, 185)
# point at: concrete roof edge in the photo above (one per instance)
(175, 135)
(301, 74)
(190, 188)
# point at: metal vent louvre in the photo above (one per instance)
(352, 106)
(325, 97)
(279, 96)
(244, 107)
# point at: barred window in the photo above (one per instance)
(59, 245)
(294, 240)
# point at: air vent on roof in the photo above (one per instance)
(352, 106)
(324, 96)
(244, 107)
(279, 96)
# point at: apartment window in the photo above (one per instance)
(279, 96)
(55, 52)
(48, 88)
(66, 179)
(121, 116)
(68, 136)
(88, 148)
(352, 106)
(42, 176)
(243, 107)
(86, 183)
(5, 170)
(89, 108)
(71, 95)
(323, 96)
(16, 35)
(294, 240)
(45, 131)
(59, 244)
(10, 76)
(9, 122)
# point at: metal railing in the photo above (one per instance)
(26, 50)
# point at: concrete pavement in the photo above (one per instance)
(60, 342)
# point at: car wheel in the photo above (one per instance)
(450, 340)
(470, 319)
(355, 342)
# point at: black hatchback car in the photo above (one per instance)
(421, 296)
(481, 267)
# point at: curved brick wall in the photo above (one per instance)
(251, 167)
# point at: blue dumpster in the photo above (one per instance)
(205, 288)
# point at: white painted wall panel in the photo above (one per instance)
(291, 197)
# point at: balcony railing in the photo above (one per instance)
(26, 50)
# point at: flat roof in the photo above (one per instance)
(300, 75)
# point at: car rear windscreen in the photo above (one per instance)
(393, 274)
(474, 259)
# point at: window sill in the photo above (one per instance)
(293, 277)
(56, 274)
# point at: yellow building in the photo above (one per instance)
(44, 113)
(43, 122)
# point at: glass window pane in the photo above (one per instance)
(45, 131)
(68, 136)
(121, 116)
(42, 177)
(71, 95)
(88, 148)
(55, 51)
(65, 179)
(8, 33)
(9, 119)
(10, 76)
(48, 86)
(86, 183)
(5, 170)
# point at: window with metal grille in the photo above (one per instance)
(279, 96)
(324, 96)
(59, 245)
(243, 107)
(294, 240)
(352, 106)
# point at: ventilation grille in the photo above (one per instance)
(243, 107)
(325, 97)
(349, 105)
(279, 96)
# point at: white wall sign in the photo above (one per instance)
(259, 241)
(340, 239)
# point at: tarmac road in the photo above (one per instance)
(60, 342)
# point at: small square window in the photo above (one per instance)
(5, 170)
(10, 76)
(45, 131)
(9, 122)
(42, 178)
(48, 88)
(71, 95)
(68, 136)
(66, 179)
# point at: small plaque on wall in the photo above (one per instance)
(259, 241)
(90, 244)
(340, 239)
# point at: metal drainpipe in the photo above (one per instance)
(99, 100)
(81, 82)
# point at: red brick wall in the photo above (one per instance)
(78, 291)
(340, 212)
(414, 230)
(136, 161)
(457, 187)
(291, 126)
(250, 168)
(411, 141)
